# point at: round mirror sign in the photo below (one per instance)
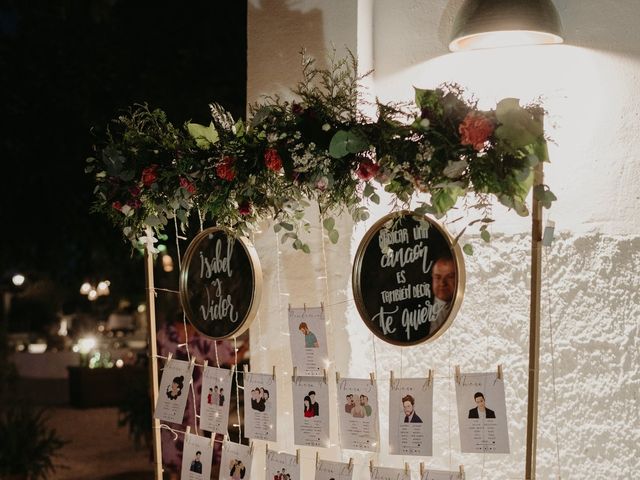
(408, 279)
(220, 283)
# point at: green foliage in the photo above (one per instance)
(28, 444)
(318, 148)
(134, 412)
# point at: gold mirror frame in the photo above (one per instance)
(456, 254)
(256, 276)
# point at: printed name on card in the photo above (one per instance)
(282, 466)
(326, 470)
(383, 473)
(441, 475)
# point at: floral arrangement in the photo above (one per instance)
(318, 148)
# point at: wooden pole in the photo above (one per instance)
(153, 362)
(534, 327)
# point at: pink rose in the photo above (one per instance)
(367, 170)
(149, 175)
(225, 170)
(187, 185)
(475, 130)
(272, 160)
(117, 205)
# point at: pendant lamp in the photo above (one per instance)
(505, 23)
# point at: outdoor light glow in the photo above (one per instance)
(86, 344)
(103, 288)
(92, 295)
(119, 363)
(18, 279)
(142, 308)
(85, 288)
(167, 263)
(37, 347)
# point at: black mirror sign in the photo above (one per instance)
(408, 279)
(220, 283)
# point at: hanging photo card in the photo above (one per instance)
(174, 390)
(308, 337)
(260, 406)
(441, 475)
(311, 411)
(197, 457)
(358, 412)
(326, 470)
(410, 417)
(383, 473)
(214, 400)
(282, 466)
(236, 461)
(482, 413)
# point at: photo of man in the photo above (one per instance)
(196, 464)
(310, 340)
(364, 401)
(408, 404)
(348, 406)
(481, 411)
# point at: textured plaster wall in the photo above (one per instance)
(589, 423)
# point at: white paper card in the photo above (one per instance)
(358, 412)
(311, 411)
(441, 475)
(197, 455)
(482, 413)
(308, 337)
(410, 417)
(326, 470)
(214, 399)
(174, 390)
(236, 461)
(260, 406)
(282, 466)
(383, 473)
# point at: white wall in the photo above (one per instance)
(591, 303)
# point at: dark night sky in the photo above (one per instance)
(69, 66)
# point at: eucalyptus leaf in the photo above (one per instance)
(368, 190)
(334, 236)
(485, 235)
(152, 221)
(305, 248)
(455, 168)
(344, 142)
(468, 249)
(375, 198)
(287, 226)
(277, 227)
(328, 223)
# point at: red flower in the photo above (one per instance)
(149, 175)
(135, 204)
(225, 169)
(367, 170)
(134, 191)
(272, 160)
(117, 205)
(245, 208)
(475, 130)
(187, 185)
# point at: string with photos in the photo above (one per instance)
(546, 280)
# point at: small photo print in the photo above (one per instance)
(197, 456)
(482, 413)
(383, 473)
(441, 475)
(174, 390)
(410, 417)
(326, 470)
(358, 414)
(308, 336)
(214, 400)
(310, 410)
(282, 466)
(260, 406)
(236, 461)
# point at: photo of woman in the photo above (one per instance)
(308, 409)
(175, 389)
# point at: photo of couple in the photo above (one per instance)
(260, 399)
(311, 407)
(216, 396)
(358, 407)
(237, 469)
(282, 475)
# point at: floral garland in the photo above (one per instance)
(319, 148)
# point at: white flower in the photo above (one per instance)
(326, 127)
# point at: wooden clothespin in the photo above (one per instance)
(266, 449)
(406, 468)
(317, 459)
(458, 379)
(421, 470)
(206, 362)
(372, 376)
(298, 456)
(169, 357)
(305, 306)
(213, 440)
(192, 362)
(391, 379)
(371, 465)
(251, 449)
(322, 306)
(350, 463)
(337, 377)
(499, 372)
(289, 307)
(461, 472)
(295, 373)
(273, 374)
(188, 429)
(233, 369)
(245, 368)
(431, 375)
(324, 375)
